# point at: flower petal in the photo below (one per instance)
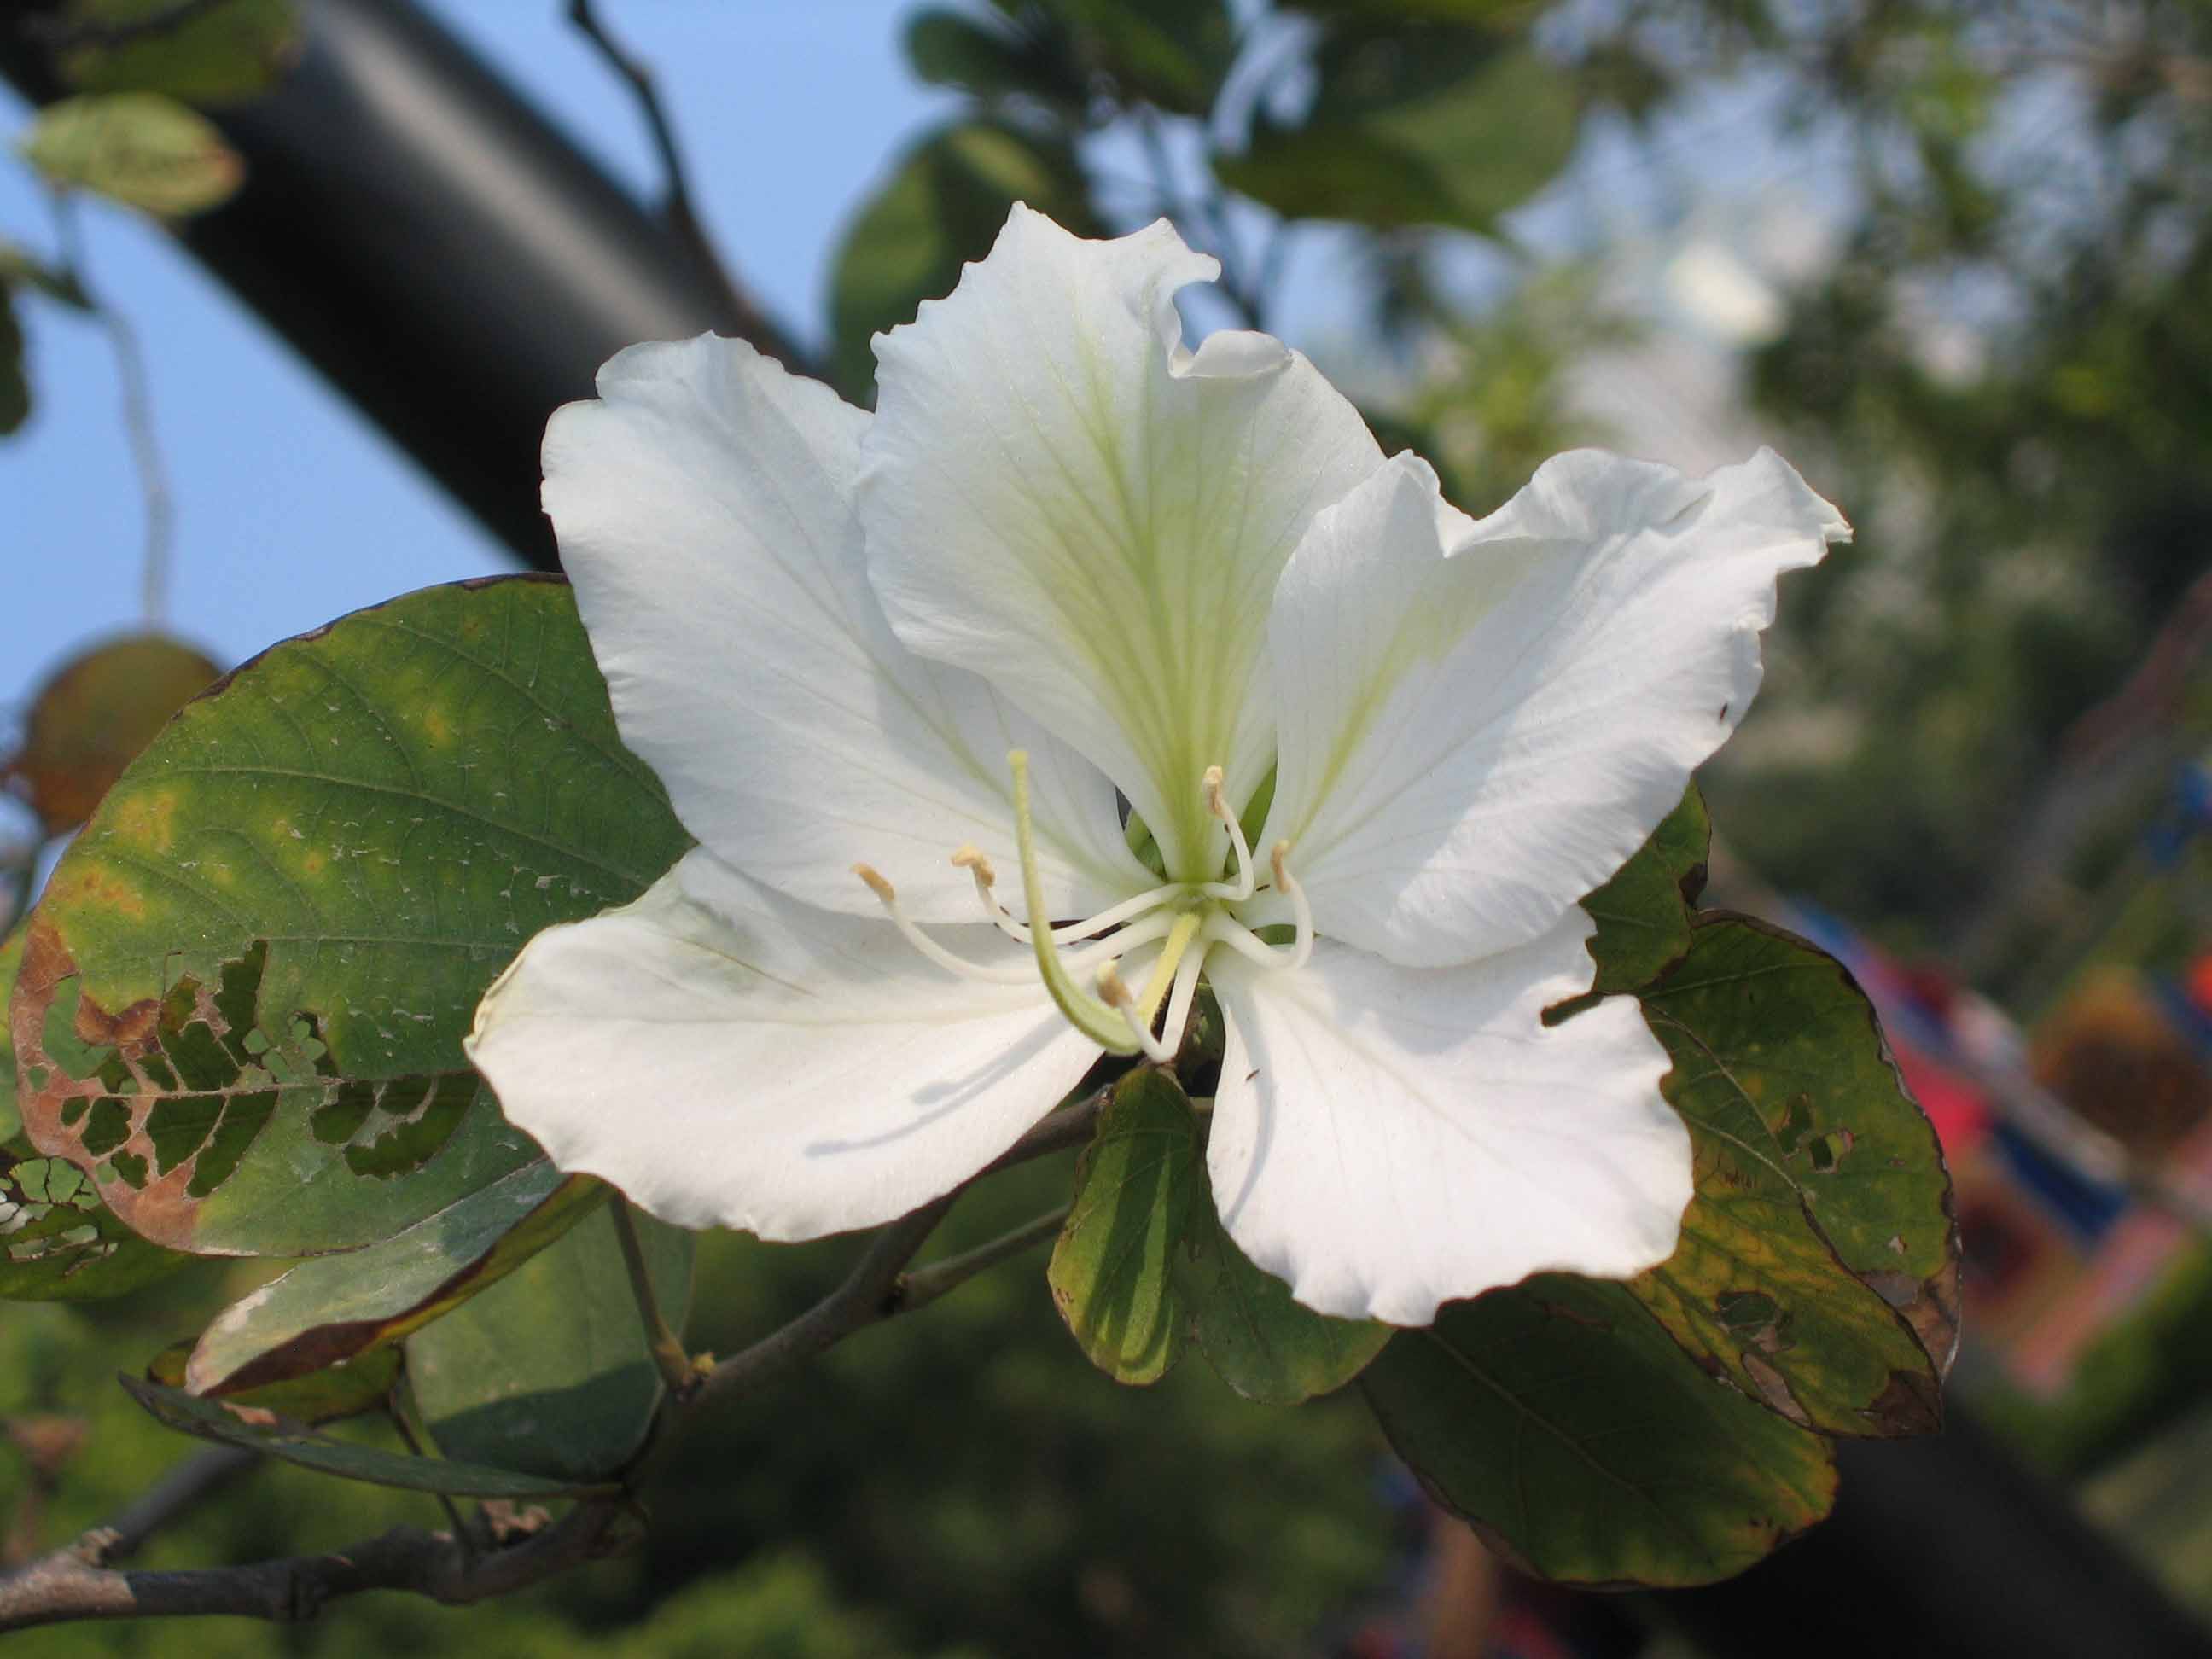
(730, 1057)
(704, 504)
(1386, 1139)
(1481, 721)
(1061, 497)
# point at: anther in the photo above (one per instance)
(1216, 802)
(968, 856)
(1114, 992)
(1301, 911)
(882, 888)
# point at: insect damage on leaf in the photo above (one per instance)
(162, 1099)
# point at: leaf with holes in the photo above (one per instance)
(1562, 1423)
(548, 1371)
(59, 1242)
(331, 1308)
(1260, 1342)
(244, 993)
(345, 1389)
(1112, 1270)
(257, 1428)
(1813, 1144)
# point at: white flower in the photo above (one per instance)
(1185, 576)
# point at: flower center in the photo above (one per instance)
(1190, 918)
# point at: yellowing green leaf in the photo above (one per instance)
(246, 989)
(137, 148)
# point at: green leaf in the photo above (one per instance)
(258, 1429)
(344, 1389)
(225, 54)
(244, 994)
(1262, 1344)
(942, 207)
(1414, 126)
(1643, 912)
(1806, 1136)
(1172, 53)
(14, 382)
(59, 1242)
(548, 1371)
(137, 148)
(995, 59)
(1112, 1269)
(1419, 11)
(331, 1308)
(1564, 1426)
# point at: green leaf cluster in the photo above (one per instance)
(236, 1018)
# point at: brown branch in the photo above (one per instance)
(76, 1584)
(746, 319)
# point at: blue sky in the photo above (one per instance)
(292, 509)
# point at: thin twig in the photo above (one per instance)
(676, 204)
(666, 1348)
(924, 1286)
(138, 416)
(869, 1294)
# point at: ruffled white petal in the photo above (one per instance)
(704, 505)
(754, 1062)
(1061, 497)
(1386, 1139)
(1481, 721)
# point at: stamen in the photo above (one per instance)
(1094, 1018)
(1186, 992)
(888, 896)
(1116, 992)
(1223, 929)
(971, 858)
(1301, 912)
(1216, 802)
(1141, 932)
